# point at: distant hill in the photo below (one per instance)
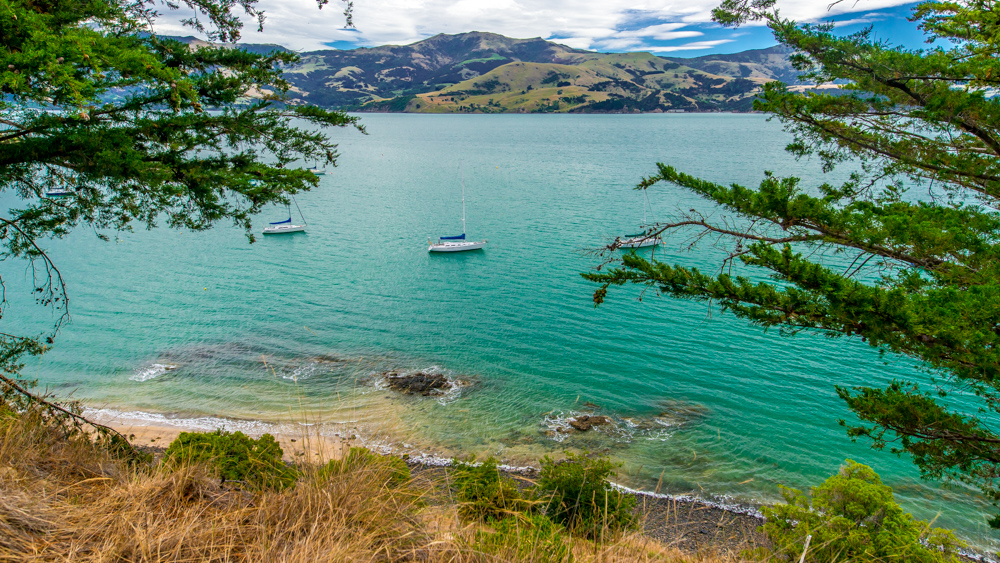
(259, 48)
(489, 73)
(758, 64)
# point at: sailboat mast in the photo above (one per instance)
(462, 175)
(299, 209)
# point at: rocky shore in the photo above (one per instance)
(688, 524)
(691, 525)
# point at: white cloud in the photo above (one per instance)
(865, 19)
(693, 46)
(588, 24)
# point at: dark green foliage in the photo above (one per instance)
(852, 517)
(526, 538)
(392, 105)
(129, 134)
(138, 130)
(236, 457)
(484, 493)
(359, 459)
(554, 76)
(908, 270)
(576, 493)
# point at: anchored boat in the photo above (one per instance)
(641, 240)
(456, 243)
(286, 226)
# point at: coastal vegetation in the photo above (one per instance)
(65, 496)
(902, 256)
(852, 517)
(235, 456)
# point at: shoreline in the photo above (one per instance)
(299, 438)
(685, 521)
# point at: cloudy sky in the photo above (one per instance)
(677, 27)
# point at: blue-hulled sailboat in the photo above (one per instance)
(456, 243)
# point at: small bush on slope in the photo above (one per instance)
(236, 457)
(484, 493)
(578, 495)
(852, 517)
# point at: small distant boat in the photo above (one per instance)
(456, 243)
(286, 226)
(315, 169)
(640, 240)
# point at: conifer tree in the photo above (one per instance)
(139, 130)
(905, 255)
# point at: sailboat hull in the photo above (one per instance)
(456, 246)
(640, 242)
(283, 229)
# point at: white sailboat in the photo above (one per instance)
(286, 226)
(456, 243)
(315, 169)
(640, 240)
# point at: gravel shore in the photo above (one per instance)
(690, 525)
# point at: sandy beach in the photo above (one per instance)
(296, 448)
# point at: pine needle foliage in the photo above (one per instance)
(138, 129)
(904, 255)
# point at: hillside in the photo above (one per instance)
(490, 73)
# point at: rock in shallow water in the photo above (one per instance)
(585, 422)
(419, 382)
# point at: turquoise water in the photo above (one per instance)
(298, 327)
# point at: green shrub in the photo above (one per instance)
(852, 517)
(236, 457)
(578, 495)
(397, 472)
(483, 492)
(534, 539)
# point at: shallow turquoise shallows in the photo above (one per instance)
(207, 325)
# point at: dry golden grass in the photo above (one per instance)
(63, 499)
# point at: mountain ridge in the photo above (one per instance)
(483, 72)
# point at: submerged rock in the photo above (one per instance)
(584, 422)
(418, 383)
